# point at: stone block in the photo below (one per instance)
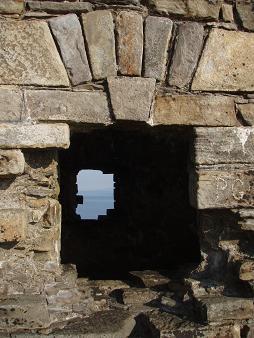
(34, 135)
(86, 107)
(12, 162)
(223, 186)
(246, 112)
(214, 309)
(158, 33)
(131, 97)
(68, 34)
(246, 272)
(129, 27)
(23, 312)
(187, 49)
(11, 6)
(227, 13)
(12, 225)
(60, 7)
(99, 34)
(226, 63)
(224, 145)
(199, 110)
(139, 296)
(246, 14)
(20, 54)
(11, 105)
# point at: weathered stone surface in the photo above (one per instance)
(214, 309)
(129, 27)
(23, 312)
(99, 34)
(11, 6)
(12, 162)
(12, 225)
(227, 13)
(139, 295)
(131, 97)
(190, 8)
(20, 54)
(157, 36)
(224, 186)
(150, 278)
(247, 113)
(186, 53)
(197, 110)
(11, 105)
(226, 63)
(224, 145)
(68, 33)
(60, 7)
(246, 14)
(46, 105)
(246, 272)
(34, 136)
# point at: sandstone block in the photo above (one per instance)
(11, 6)
(11, 105)
(223, 186)
(226, 63)
(224, 145)
(12, 162)
(247, 113)
(129, 42)
(34, 136)
(186, 53)
(20, 54)
(177, 7)
(60, 7)
(194, 110)
(68, 33)
(12, 225)
(246, 14)
(227, 13)
(99, 34)
(157, 36)
(139, 295)
(88, 107)
(131, 97)
(246, 272)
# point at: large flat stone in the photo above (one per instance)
(34, 135)
(11, 6)
(60, 7)
(224, 145)
(226, 63)
(86, 107)
(12, 162)
(131, 97)
(246, 14)
(129, 27)
(68, 34)
(11, 105)
(22, 44)
(158, 33)
(99, 34)
(199, 110)
(186, 53)
(12, 225)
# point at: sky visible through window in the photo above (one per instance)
(97, 190)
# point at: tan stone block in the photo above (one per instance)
(11, 105)
(227, 13)
(12, 225)
(12, 162)
(247, 113)
(11, 6)
(246, 272)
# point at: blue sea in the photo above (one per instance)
(96, 203)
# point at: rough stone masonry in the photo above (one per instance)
(77, 65)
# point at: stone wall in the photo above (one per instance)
(68, 66)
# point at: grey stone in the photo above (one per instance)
(68, 33)
(226, 63)
(22, 44)
(12, 162)
(224, 145)
(177, 7)
(11, 105)
(199, 110)
(158, 33)
(131, 97)
(227, 13)
(99, 34)
(186, 53)
(246, 14)
(12, 225)
(139, 295)
(46, 105)
(246, 112)
(129, 42)
(23, 312)
(11, 6)
(34, 136)
(60, 7)
(150, 278)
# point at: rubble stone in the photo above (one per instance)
(223, 65)
(20, 54)
(129, 27)
(12, 225)
(68, 33)
(247, 113)
(99, 34)
(246, 14)
(139, 296)
(60, 7)
(158, 33)
(227, 13)
(11, 6)
(131, 97)
(246, 272)
(12, 162)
